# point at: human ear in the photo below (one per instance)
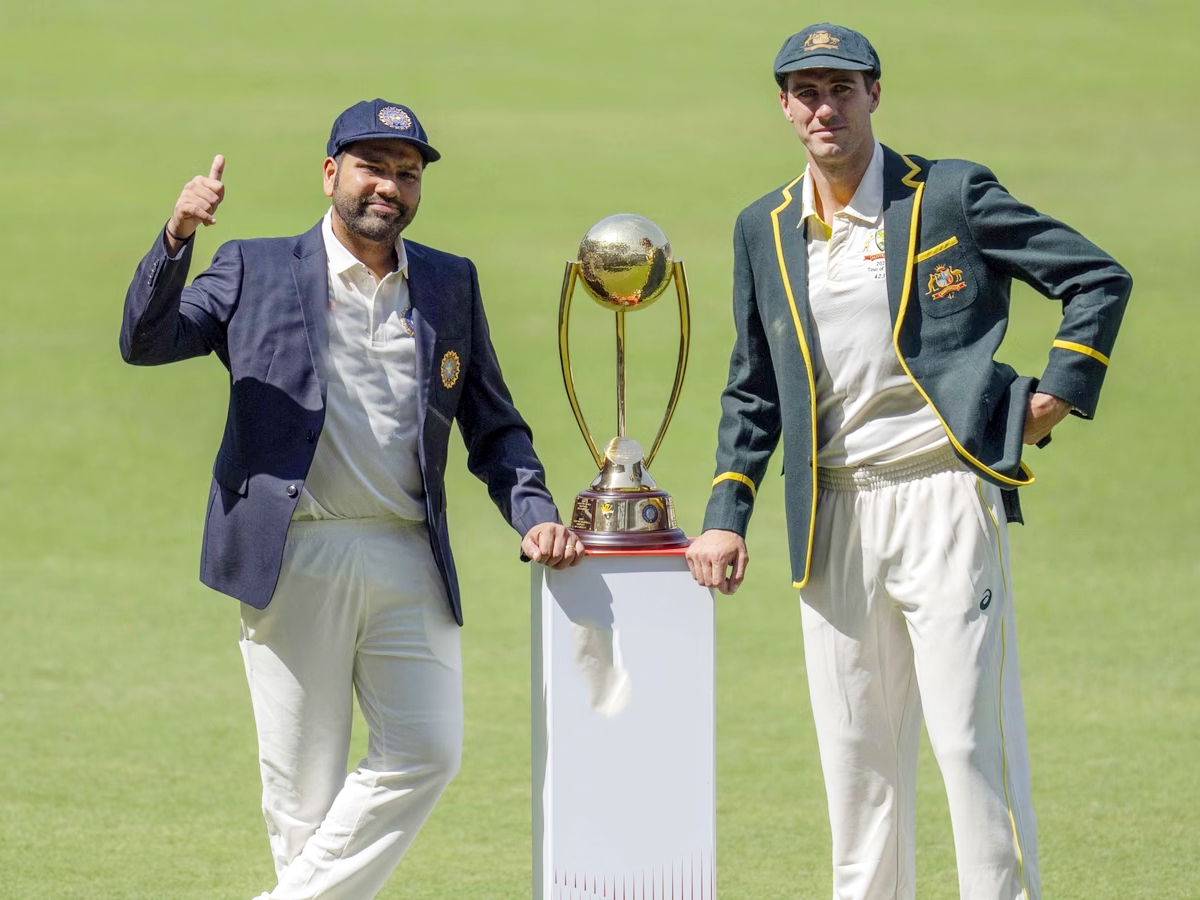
(328, 173)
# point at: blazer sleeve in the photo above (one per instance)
(750, 418)
(499, 442)
(1061, 264)
(164, 321)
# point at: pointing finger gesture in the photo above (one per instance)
(197, 204)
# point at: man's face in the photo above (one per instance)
(376, 188)
(831, 110)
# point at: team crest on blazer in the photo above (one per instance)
(944, 281)
(450, 369)
(395, 117)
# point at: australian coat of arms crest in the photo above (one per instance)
(820, 40)
(944, 281)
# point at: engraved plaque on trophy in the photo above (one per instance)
(625, 264)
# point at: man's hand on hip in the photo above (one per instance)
(1044, 412)
(718, 559)
(197, 205)
(554, 546)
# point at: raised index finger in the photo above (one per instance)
(218, 167)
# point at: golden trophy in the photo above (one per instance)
(625, 264)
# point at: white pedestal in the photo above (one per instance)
(623, 731)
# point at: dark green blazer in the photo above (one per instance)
(954, 240)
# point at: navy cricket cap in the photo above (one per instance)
(825, 46)
(373, 119)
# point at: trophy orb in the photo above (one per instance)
(625, 262)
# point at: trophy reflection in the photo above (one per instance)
(625, 264)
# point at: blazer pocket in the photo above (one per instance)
(935, 250)
(231, 476)
(440, 417)
(945, 280)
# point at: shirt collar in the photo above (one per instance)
(867, 202)
(341, 260)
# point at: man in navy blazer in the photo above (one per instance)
(350, 352)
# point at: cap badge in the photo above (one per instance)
(944, 281)
(395, 117)
(450, 368)
(821, 40)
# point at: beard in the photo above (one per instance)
(368, 223)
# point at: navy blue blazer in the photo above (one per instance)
(260, 307)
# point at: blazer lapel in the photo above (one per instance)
(791, 249)
(900, 180)
(310, 272)
(422, 295)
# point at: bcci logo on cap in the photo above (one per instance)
(821, 40)
(395, 117)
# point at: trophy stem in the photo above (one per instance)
(621, 373)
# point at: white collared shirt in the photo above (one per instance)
(367, 463)
(868, 411)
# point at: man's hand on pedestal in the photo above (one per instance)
(718, 559)
(553, 545)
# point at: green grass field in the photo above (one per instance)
(127, 757)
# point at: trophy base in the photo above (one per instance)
(627, 520)
(671, 539)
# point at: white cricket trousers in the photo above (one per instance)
(910, 607)
(359, 607)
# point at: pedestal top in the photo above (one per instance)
(671, 551)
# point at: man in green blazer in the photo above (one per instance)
(870, 296)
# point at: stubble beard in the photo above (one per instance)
(841, 153)
(366, 223)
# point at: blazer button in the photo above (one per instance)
(292, 490)
(311, 436)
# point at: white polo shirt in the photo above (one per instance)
(868, 411)
(367, 464)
